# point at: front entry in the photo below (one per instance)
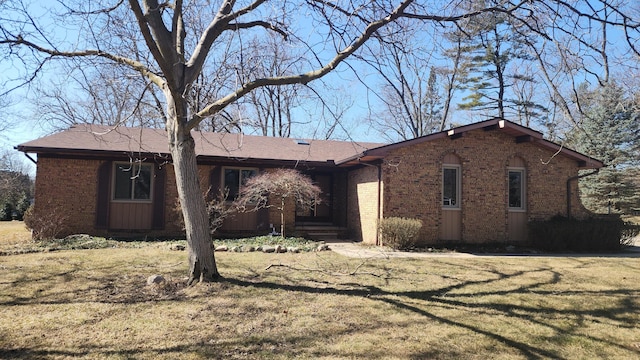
(322, 210)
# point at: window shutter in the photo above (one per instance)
(103, 195)
(214, 182)
(158, 199)
(263, 214)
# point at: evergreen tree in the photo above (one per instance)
(16, 188)
(493, 65)
(609, 131)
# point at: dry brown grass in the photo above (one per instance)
(633, 219)
(13, 234)
(95, 304)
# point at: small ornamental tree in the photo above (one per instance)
(281, 184)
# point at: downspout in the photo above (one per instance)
(379, 200)
(569, 180)
(30, 158)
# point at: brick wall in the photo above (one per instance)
(66, 189)
(362, 203)
(69, 187)
(413, 184)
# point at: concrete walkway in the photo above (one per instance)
(357, 250)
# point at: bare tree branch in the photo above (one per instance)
(18, 40)
(305, 77)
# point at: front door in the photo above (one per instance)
(321, 210)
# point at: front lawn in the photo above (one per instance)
(96, 304)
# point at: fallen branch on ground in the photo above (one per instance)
(324, 271)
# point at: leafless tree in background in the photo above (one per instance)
(165, 44)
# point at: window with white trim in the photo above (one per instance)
(132, 182)
(235, 178)
(517, 192)
(451, 186)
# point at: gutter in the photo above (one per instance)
(569, 180)
(24, 151)
(379, 197)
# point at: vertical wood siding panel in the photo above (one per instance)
(158, 218)
(103, 195)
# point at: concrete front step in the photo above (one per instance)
(322, 232)
(323, 235)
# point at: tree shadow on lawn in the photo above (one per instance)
(109, 289)
(446, 297)
(91, 351)
(465, 295)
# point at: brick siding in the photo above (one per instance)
(413, 184)
(362, 203)
(65, 189)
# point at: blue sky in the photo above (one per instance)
(27, 127)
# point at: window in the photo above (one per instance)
(235, 178)
(132, 181)
(451, 186)
(516, 189)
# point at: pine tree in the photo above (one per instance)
(609, 131)
(493, 44)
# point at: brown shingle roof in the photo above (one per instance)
(95, 139)
(519, 132)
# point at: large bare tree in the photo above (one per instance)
(173, 44)
(163, 51)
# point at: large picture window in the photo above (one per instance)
(132, 182)
(234, 178)
(516, 189)
(451, 187)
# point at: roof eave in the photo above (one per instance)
(85, 152)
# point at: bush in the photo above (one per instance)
(594, 234)
(399, 233)
(45, 227)
(217, 210)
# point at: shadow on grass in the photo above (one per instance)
(446, 297)
(111, 288)
(31, 354)
(467, 296)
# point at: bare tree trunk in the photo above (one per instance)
(202, 263)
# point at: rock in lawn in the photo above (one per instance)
(177, 247)
(222, 248)
(281, 249)
(155, 279)
(268, 249)
(322, 247)
(293, 249)
(248, 248)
